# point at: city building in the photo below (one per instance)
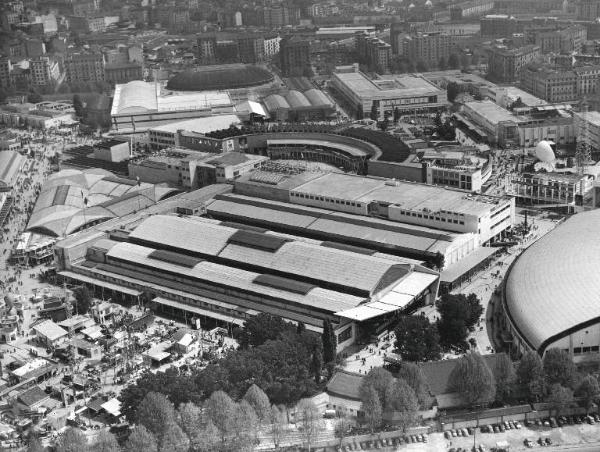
(589, 120)
(373, 52)
(549, 188)
(5, 72)
(567, 40)
(19, 115)
(87, 24)
(84, 67)
(396, 201)
(505, 64)
(44, 71)
(469, 9)
(294, 56)
(500, 26)
(192, 169)
(167, 135)
(271, 46)
(549, 293)
(138, 106)
(427, 47)
(227, 47)
(523, 128)
(407, 93)
(557, 85)
(122, 73)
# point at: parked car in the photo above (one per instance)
(548, 441)
(528, 443)
(553, 423)
(518, 425)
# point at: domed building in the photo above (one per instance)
(551, 295)
(223, 77)
(544, 151)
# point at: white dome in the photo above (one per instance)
(544, 152)
(412, 5)
(428, 3)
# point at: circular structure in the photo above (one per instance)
(552, 291)
(544, 151)
(230, 76)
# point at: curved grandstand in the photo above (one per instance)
(230, 76)
(347, 147)
(72, 200)
(552, 291)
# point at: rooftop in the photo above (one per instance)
(387, 86)
(490, 111)
(553, 287)
(410, 196)
(200, 125)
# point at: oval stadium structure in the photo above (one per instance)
(227, 76)
(552, 291)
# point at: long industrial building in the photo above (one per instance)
(223, 273)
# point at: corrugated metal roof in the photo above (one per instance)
(297, 100)
(317, 98)
(276, 102)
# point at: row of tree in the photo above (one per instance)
(417, 339)
(400, 397)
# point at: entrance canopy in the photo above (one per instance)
(199, 311)
(403, 293)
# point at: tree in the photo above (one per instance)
(371, 407)
(329, 342)
(208, 438)
(309, 421)
(174, 439)
(72, 440)
(402, 400)
(259, 401)
(422, 66)
(341, 428)
(396, 115)
(453, 61)
(589, 391)
(378, 379)
(417, 339)
(559, 368)
(189, 417)
(261, 328)
(317, 365)
(141, 440)
(560, 398)
(78, 106)
(106, 442)
(220, 409)
(245, 427)
(156, 413)
(442, 63)
(530, 374)
(83, 300)
(34, 97)
(413, 376)
(278, 425)
(34, 444)
(384, 125)
(452, 91)
(505, 377)
(458, 313)
(374, 112)
(473, 379)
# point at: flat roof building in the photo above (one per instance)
(408, 93)
(138, 105)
